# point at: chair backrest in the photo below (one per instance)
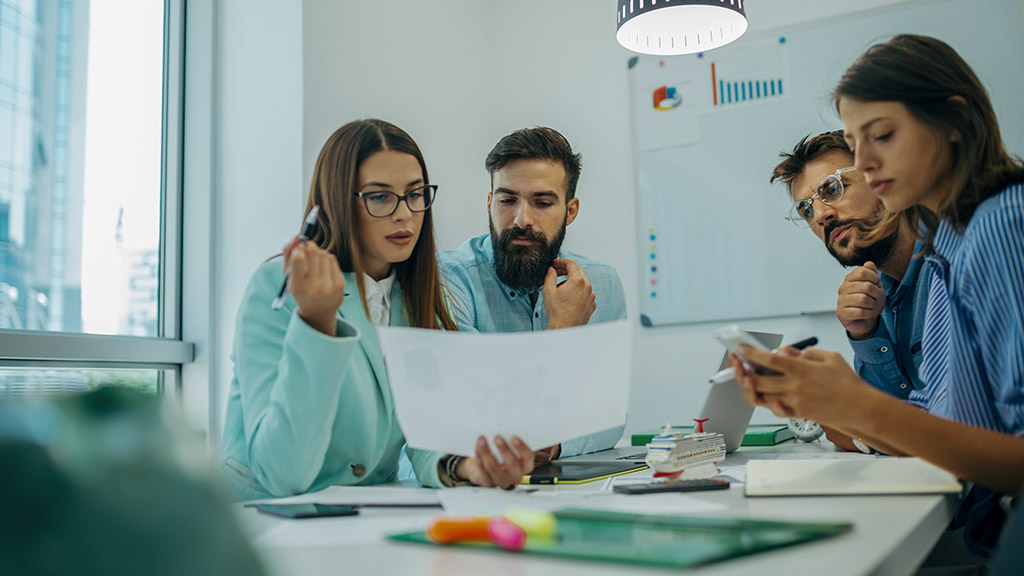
(1009, 557)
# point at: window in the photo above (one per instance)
(90, 98)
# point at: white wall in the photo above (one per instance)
(258, 156)
(457, 75)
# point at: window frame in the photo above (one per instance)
(167, 352)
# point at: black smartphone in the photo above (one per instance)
(673, 486)
(306, 510)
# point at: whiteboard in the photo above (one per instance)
(712, 241)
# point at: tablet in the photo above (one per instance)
(725, 408)
(578, 473)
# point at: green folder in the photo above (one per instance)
(756, 435)
(657, 540)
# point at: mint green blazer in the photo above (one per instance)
(306, 410)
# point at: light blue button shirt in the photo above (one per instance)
(484, 304)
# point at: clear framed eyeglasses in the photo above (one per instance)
(383, 203)
(829, 190)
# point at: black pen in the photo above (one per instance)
(805, 343)
(730, 374)
(308, 227)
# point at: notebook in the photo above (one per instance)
(882, 475)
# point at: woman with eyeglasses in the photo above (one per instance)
(310, 405)
(925, 136)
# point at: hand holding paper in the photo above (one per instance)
(545, 387)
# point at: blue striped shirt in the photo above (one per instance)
(979, 277)
(983, 275)
(484, 304)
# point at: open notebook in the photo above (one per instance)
(883, 475)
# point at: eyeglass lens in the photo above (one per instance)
(830, 190)
(385, 203)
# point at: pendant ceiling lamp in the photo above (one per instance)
(668, 27)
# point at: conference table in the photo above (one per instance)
(891, 534)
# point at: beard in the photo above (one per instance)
(878, 252)
(523, 267)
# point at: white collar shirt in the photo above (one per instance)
(378, 299)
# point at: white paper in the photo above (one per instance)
(487, 501)
(344, 531)
(545, 387)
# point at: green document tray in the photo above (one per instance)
(756, 435)
(656, 540)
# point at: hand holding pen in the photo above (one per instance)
(308, 229)
(730, 373)
(314, 279)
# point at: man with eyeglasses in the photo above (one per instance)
(509, 280)
(881, 304)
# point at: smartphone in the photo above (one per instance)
(306, 510)
(673, 486)
(732, 336)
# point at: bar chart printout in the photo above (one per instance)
(749, 74)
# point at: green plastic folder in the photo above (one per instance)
(756, 435)
(656, 540)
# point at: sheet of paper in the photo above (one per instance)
(356, 495)
(545, 387)
(347, 531)
(486, 501)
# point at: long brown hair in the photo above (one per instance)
(335, 182)
(927, 76)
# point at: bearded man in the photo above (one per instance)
(518, 278)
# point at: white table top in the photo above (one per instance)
(891, 535)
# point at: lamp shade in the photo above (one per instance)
(667, 27)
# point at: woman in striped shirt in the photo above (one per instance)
(925, 136)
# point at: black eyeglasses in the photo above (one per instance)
(829, 190)
(382, 203)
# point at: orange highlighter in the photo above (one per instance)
(508, 532)
(453, 529)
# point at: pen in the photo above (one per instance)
(805, 343)
(730, 373)
(308, 227)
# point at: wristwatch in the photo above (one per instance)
(862, 446)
